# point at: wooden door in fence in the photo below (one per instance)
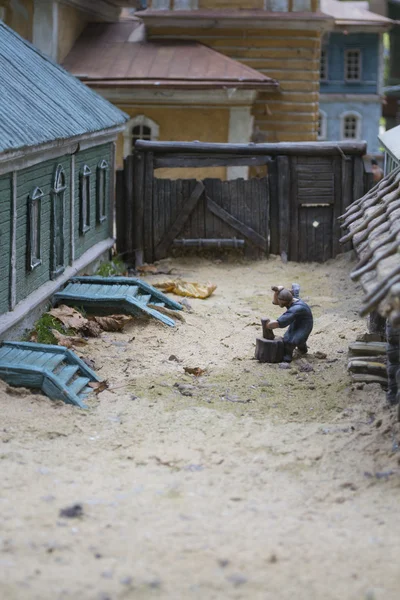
(207, 213)
(315, 205)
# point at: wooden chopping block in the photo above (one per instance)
(269, 351)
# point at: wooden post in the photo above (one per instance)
(120, 216)
(283, 203)
(148, 244)
(273, 220)
(129, 207)
(138, 203)
(337, 205)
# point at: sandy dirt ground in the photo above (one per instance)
(248, 482)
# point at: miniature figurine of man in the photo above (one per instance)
(298, 316)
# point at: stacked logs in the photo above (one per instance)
(367, 362)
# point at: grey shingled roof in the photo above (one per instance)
(373, 224)
(40, 102)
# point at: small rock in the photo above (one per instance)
(306, 368)
(127, 580)
(185, 303)
(72, 512)
(342, 336)
(174, 358)
(273, 559)
(237, 579)
(284, 365)
(223, 562)
(320, 355)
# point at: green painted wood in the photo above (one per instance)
(98, 231)
(142, 285)
(66, 373)
(78, 385)
(5, 240)
(144, 299)
(67, 355)
(54, 361)
(12, 356)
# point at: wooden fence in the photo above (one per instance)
(293, 211)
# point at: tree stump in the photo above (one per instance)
(269, 351)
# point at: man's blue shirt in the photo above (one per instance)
(300, 320)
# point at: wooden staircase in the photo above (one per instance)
(117, 294)
(55, 370)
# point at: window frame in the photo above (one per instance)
(84, 199)
(35, 210)
(346, 55)
(139, 120)
(323, 64)
(101, 191)
(324, 125)
(58, 201)
(343, 118)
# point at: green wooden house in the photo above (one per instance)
(57, 165)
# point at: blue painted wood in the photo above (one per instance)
(78, 384)
(69, 356)
(117, 293)
(56, 370)
(119, 304)
(53, 362)
(143, 286)
(66, 373)
(368, 44)
(13, 355)
(144, 299)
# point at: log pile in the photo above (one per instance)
(367, 362)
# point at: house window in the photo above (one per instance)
(352, 65)
(322, 125)
(85, 199)
(139, 128)
(101, 191)
(57, 233)
(351, 126)
(35, 208)
(324, 66)
(140, 132)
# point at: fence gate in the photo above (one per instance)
(293, 211)
(208, 213)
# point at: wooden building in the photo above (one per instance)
(352, 67)
(57, 158)
(372, 224)
(209, 71)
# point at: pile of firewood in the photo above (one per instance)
(367, 361)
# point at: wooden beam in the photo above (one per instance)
(170, 235)
(182, 160)
(249, 233)
(289, 148)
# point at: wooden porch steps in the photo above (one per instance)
(55, 370)
(117, 294)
